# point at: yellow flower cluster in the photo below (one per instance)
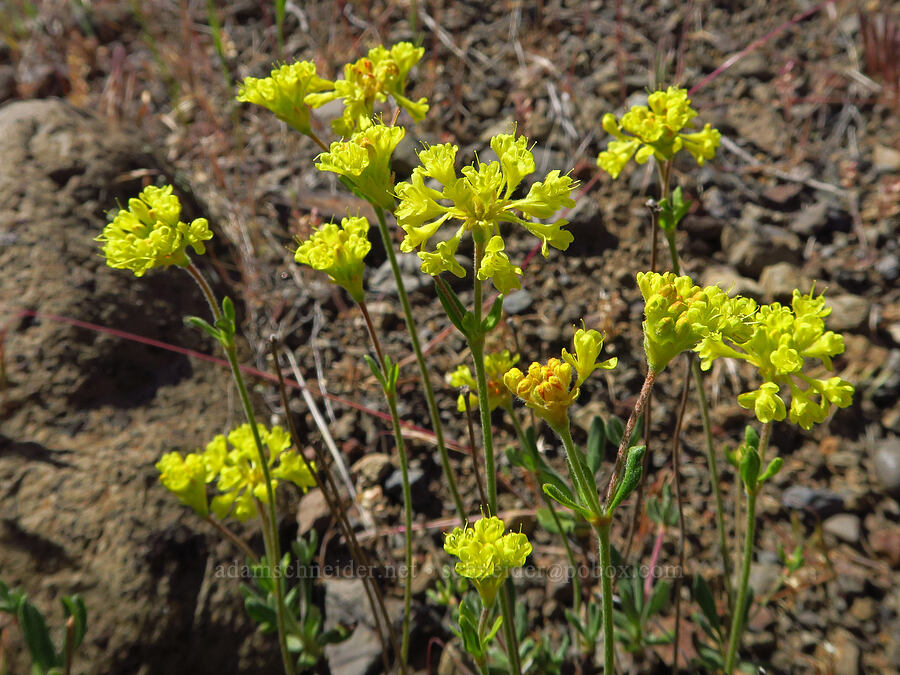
(656, 131)
(150, 233)
(339, 252)
(364, 163)
(549, 389)
(481, 199)
(778, 342)
(486, 554)
(495, 367)
(239, 475)
(284, 92)
(380, 74)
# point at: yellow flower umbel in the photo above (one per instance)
(284, 91)
(186, 477)
(780, 340)
(364, 163)
(486, 555)
(150, 233)
(495, 367)
(481, 199)
(656, 131)
(549, 389)
(679, 314)
(339, 252)
(373, 78)
(241, 480)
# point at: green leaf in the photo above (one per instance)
(703, 596)
(228, 309)
(630, 478)
(37, 637)
(203, 325)
(671, 211)
(615, 430)
(337, 634)
(73, 606)
(659, 598)
(376, 371)
(451, 304)
(493, 631)
(313, 621)
(547, 522)
(566, 500)
(493, 317)
(588, 492)
(596, 442)
(773, 468)
(470, 327)
(750, 469)
(575, 621)
(751, 438)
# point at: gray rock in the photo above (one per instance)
(844, 526)
(418, 486)
(346, 604)
(848, 312)
(517, 302)
(752, 252)
(819, 502)
(886, 466)
(778, 281)
(811, 219)
(313, 513)
(728, 279)
(763, 576)
(888, 266)
(382, 281)
(372, 469)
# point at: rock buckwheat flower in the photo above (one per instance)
(339, 252)
(380, 74)
(779, 342)
(486, 555)
(186, 477)
(656, 131)
(549, 389)
(284, 91)
(480, 200)
(150, 233)
(495, 367)
(241, 479)
(364, 163)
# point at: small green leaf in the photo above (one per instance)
(773, 468)
(704, 597)
(630, 478)
(596, 442)
(376, 371)
(659, 598)
(37, 637)
(615, 430)
(751, 438)
(73, 606)
(493, 317)
(750, 469)
(470, 327)
(203, 325)
(566, 500)
(547, 522)
(493, 631)
(451, 303)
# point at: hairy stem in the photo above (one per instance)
(606, 569)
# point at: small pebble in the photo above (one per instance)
(886, 466)
(517, 302)
(844, 526)
(822, 503)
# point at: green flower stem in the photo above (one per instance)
(570, 555)
(714, 478)
(583, 482)
(390, 395)
(609, 653)
(423, 366)
(407, 518)
(273, 549)
(509, 628)
(483, 624)
(737, 616)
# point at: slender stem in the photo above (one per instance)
(509, 628)
(737, 617)
(318, 141)
(325, 482)
(407, 519)
(476, 346)
(643, 396)
(273, 549)
(570, 555)
(234, 539)
(714, 478)
(676, 468)
(609, 653)
(482, 629)
(583, 482)
(479, 479)
(423, 366)
(390, 395)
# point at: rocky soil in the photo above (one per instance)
(97, 101)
